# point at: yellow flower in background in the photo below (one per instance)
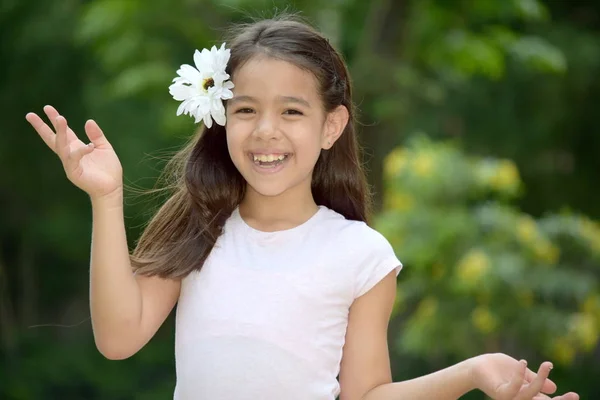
(563, 351)
(546, 251)
(595, 243)
(585, 330)
(395, 162)
(427, 308)
(437, 271)
(423, 164)
(483, 297)
(525, 297)
(529, 234)
(591, 305)
(473, 266)
(399, 201)
(527, 230)
(483, 319)
(591, 231)
(505, 176)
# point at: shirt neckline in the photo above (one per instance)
(274, 234)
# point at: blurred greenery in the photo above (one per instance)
(482, 142)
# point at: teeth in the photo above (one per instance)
(268, 157)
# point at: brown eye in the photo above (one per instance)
(293, 112)
(244, 111)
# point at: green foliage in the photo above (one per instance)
(482, 276)
(513, 80)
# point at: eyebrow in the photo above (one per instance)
(281, 99)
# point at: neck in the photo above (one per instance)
(291, 208)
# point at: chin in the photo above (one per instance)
(268, 189)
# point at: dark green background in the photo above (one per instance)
(512, 79)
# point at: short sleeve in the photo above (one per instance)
(376, 259)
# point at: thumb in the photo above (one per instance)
(516, 381)
(95, 134)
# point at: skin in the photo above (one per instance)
(276, 109)
(259, 119)
(365, 372)
(126, 310)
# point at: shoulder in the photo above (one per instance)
(353, 234)
(366, 252)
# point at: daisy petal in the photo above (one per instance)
(226, 94)
(219, 118)
(180, 92)
(207, 121)
(182, 108)
(190, 73)
(203, 61)
(204, 104)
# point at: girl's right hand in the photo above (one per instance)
(95, 167)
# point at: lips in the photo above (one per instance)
(269, 162)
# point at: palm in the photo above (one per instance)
(98, 172)
(503, 378)
(94, 168)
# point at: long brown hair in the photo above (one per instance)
(208, 187)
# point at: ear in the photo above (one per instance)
(334, 126)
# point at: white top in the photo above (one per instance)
(266, 316)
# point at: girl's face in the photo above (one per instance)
(277, 126)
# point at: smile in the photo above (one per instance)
(269, 162)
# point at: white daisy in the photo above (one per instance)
(203, 89)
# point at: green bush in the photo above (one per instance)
(480, 275)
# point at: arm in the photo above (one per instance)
(126, 310)
(448, 384)
(365, 370)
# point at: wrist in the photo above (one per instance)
(112, 200)
(472, 365)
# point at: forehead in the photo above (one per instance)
(264, 76)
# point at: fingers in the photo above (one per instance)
(535, 386)
(52, 114)
(95, 134)
(569, 396)
(43, 130)
(517, 380)
(76, 155)
(549, 386)
(542, 396)
(62, 144)
(59, 142)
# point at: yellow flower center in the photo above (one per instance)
(208, 83)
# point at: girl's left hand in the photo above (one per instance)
(501, 377)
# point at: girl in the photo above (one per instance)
(281, 285)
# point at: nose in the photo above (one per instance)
(267, 127)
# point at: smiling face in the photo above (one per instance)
(277, 126)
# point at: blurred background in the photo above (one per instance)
(481, 134)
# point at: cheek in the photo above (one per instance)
(308, 139)
(234, 142)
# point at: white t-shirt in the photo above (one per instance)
(266, 316)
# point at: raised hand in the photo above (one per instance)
(503, 378)
(94, 167)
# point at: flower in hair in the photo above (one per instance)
(202, 89)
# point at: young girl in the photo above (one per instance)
(281, 285)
